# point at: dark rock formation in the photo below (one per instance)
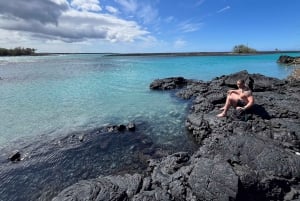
(15, 156)
(284, 59)
(176, 177)
(167, 83)
(105, 188)
(113, 128)
(250, 156)
(266, 170)
(131, 127)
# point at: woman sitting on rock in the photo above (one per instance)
(241, 98)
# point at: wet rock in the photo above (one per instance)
(15, 156)
(111, 129)
(121, 127)
(192, 89)
(176, 177)
(105, 188)
(284, 59)
(198, 126)
(168, 83)
(81, 138)
(131, 126)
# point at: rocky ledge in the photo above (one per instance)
(284, 59)
(251, 156)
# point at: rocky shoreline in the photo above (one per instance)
(250, 156)
(284, 59)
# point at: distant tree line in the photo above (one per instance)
(243, 49)
(18, 51)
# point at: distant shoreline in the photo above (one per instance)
(172, 53)
(201, 53)
(181, 53)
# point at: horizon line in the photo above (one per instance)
(174, 53)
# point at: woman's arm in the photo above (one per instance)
(250, 103)
(236, 91)
(248, 98)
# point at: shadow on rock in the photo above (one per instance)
(260, 111)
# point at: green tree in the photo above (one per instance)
(240, 49)
(4, 52)
(18, 51)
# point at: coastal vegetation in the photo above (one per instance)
(18, 51)
(243, 49)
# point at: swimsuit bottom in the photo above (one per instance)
(241, 103)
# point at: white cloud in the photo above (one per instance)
(10, 37)
(45, 11)
(169, 19)
(223, 9)
(60, 2)
(90, 25)
(129, 6)
(111, 9)
(86, 5)
(188, 26)
(179, 43)
(68, 25)
(144, 11)
(148, 14)
(78, 26)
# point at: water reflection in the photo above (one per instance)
(49, 166)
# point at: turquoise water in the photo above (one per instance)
(56, 95)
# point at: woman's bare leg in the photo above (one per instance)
(231, 100)
(226, 103)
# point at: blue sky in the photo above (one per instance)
(124, 26)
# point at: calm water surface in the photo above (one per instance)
(56, 95)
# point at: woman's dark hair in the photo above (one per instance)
(241, 81)
(250, 84)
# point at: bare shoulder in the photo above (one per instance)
(248, 92)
